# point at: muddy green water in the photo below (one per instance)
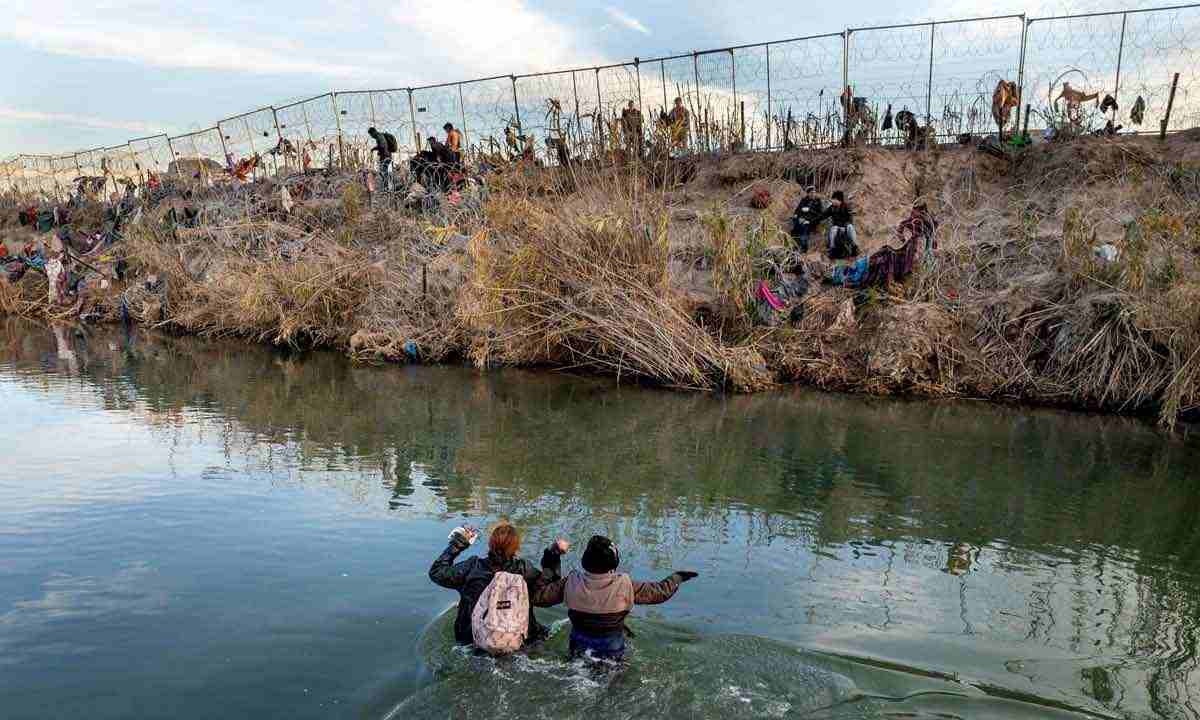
(200, 530)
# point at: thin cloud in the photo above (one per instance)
(627, 20)
(87, 121)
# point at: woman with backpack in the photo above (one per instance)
(473, 579)
(599, 598)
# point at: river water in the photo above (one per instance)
(193, 529)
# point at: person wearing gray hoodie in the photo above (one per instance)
(599, 598)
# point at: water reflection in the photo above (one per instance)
(1039, 554)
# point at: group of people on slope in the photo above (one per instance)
(598, 597)
(447, 153)
(811, 211)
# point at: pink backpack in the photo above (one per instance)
(500, 620)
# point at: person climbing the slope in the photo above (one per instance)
(385, 147)
(807, 217)
(843, 240)
(599, 598)
(473, 575)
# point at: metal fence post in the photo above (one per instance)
(516, 104)
(221, 137)
(412, 117)
(337, 118)
(845, 77)
(1120, 53)
(1021, 77)
(696, 106)
(462, 114)
(662, 68)
(769, 108)
(371, 104)
(575, 93)
(637, 69)
(929, 86)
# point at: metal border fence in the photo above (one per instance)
(761, 96)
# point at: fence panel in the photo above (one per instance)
(198, 154)
(1080, 50)
(250, 134)
(310, 125)
(151, 154)
(550, 106)
(806, 79)
(889, 67)
(486, 109)
(969, 59)
(1157, 45)
(750, 70)
(392, 115)
(434, 107)
(716, 118)
(64, 173)
(356, 114)
(118, 164)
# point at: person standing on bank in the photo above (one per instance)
(385, 147)
(453, 142)
(473, 575)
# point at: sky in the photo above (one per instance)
(85, 75)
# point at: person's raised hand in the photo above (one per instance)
(685, 575)
(563, 545)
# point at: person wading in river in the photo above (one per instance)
(599, 598)
(471, 576)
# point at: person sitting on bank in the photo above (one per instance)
(471, 576)
(807, 217)
(843, 240)
(599, 598)
(453, 142)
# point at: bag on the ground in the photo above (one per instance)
(392, 145)
(500, 620)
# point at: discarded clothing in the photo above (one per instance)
(57, 277)
(1108, 103)
(764, 293)
(887, 119)
(1138, 112)
(851, 275)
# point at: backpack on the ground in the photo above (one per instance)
(500, 620)
(392, 145)
(843, 246)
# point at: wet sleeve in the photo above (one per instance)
(446, 572)
(546, 585)
(547, 594)
(655, 593)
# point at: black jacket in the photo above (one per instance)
(809, 209)
(839, 215)
(472, 575)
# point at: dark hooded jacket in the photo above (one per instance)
(471, 576)
(839, 214)
(810, 209)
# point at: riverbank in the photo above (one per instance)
(1065, 274)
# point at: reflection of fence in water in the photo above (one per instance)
(762, 95)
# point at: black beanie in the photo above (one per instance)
(601, 556)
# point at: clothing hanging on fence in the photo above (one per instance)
(1108, 103)
(887, 119)
(1138, 113)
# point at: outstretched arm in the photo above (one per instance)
(656, 593)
